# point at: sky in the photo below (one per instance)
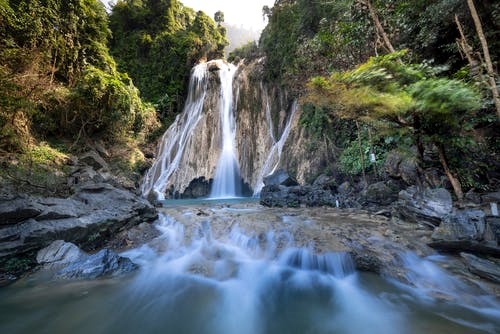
(236, 12)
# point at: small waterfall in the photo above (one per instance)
(274, 156)
(227, 177)
(174, 140)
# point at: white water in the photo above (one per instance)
(173, 142)
(192, 282)
(227, 173)
(273, 159)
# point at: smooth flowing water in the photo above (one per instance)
(241, 283)
(174, 140)
(227, 176)
(274, 155)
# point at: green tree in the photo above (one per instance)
(158, 42)
(219, 17)
(390, 95)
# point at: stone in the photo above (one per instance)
(465, 230)
(103, 263)
(400, 166)
(60, 253)
(325, 182)
(493, 224)
(345, 188)
(491, 197)
(429, 206)
(17, 210)
(199, 187)
(87, 218)
(463, 225)
(483, 268)
(292, 197)
(380, 193)
(280, 178)
(94, 160)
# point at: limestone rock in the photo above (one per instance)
(60, 253)
(199, 187)
(463, 225)
(399, 166)
(104, 263)
(95, 211)
(483, 268)
(345, 188)
(325, 182)
(17, 210)
(493, 224)
(491, 197)
(465, 231)
(381, 193)
(93, 159)
(281, 196)
(428, 207)
(280, 178)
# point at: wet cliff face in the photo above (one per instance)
(262, 111)
(268, 122)
(267, 134)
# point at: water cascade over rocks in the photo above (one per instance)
(231, 134)
(204, 278)
(274, 156)
(227, 177)
(175, 139)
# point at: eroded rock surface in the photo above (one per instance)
(103, 263)
(427, 206)
(96, 211)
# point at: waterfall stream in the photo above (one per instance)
(227, 176)
(173, 142)
(274, 156)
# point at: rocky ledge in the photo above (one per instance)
(93, 214)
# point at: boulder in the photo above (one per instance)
(59, 253)
(465, 230)
(94, 160)
(401, 166)
(281, 196)
(483, 268)
(325, 182)
(429, 206)
(94, 213)
(493, 225)
(380, 193)
(345, 189)
(103, 263)
(199, 187)
(491, 197)
(280, 178)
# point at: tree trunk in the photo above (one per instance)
(361, 155)
(467, 50)
(379, 26)
(486, 52)
(455, 183)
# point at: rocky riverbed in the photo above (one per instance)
(377, 243)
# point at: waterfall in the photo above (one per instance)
(174, 140)
(274, 156)
(227, 177)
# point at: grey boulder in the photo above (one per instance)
(101, 264)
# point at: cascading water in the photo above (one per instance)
(274, 156)
(227, 176)
(195, 280)
(174, 140)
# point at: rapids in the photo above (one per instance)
(209, 277)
